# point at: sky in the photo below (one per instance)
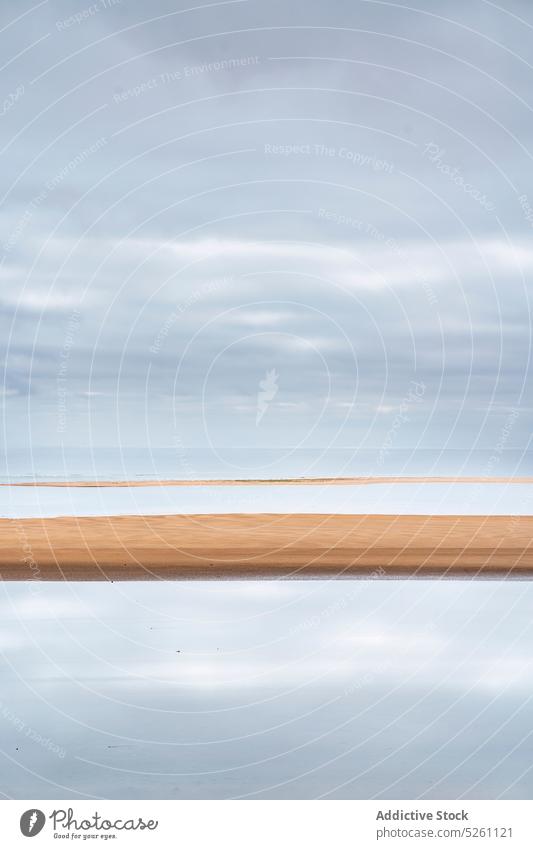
(253, 234)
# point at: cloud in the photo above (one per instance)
(282, 213)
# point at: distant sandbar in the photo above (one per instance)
(344, 481)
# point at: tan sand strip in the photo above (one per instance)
(280, 482)
(263, 545)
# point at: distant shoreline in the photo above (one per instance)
(264, 545)
(324, 481)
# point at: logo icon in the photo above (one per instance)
(32, 822)
(268, 389)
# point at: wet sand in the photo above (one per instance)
(264, 545)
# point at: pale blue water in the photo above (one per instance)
(267, 690)
(427, 498)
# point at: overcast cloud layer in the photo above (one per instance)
(249, 229)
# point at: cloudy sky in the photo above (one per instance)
(244, 229)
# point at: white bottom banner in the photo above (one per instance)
(258, 824)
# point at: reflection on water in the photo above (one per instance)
(266, 690)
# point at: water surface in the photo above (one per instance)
(266, 689)
(403, 498)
